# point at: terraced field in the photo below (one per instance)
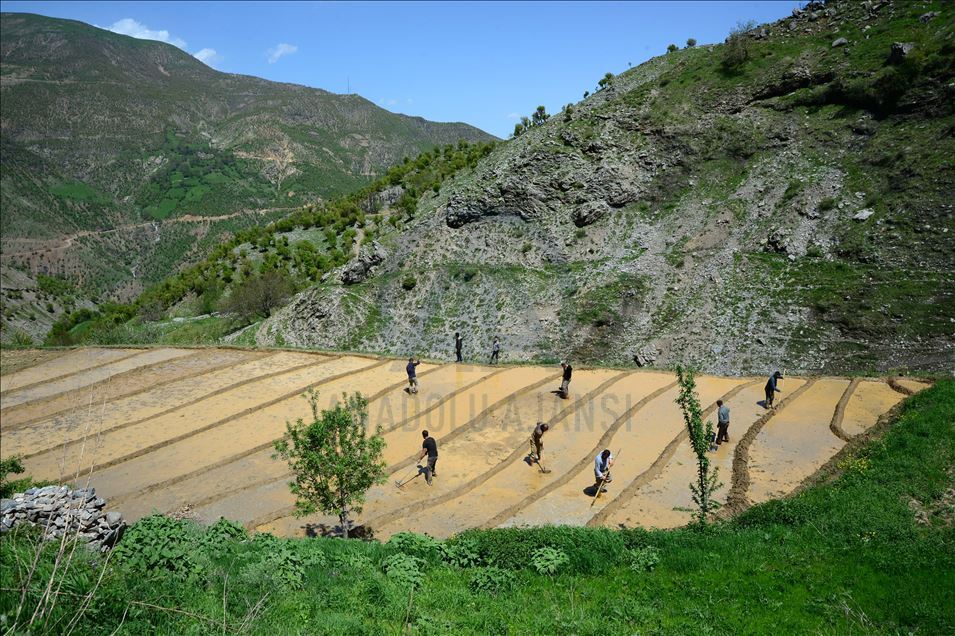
(159, 429)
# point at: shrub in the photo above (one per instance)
(548, 560)
(160, 543)
(490, 580)
(409, 282)
(404, 569)
(672, 47)
(690, 42)
(827, 204)
(644, 559)
(736, 50)
(461, 552)
(605, 81)
(256, 297)
(416, 545)
(10, 465)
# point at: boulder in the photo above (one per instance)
(863, 214)
(589, 213)
(925, 17)
(839, 42)
(360, 267)
(900, 51)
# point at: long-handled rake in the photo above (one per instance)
(603, 481)
(402, 482)
(541, 466)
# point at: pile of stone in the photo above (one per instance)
(60, 510)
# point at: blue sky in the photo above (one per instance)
(485, 63)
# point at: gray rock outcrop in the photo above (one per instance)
(360, 267)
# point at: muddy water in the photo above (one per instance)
(795, 442)
(93, 376)
(118, 443)
(259, 469)
(65, 364)
(665, 502)
(452, 418)
(505, 480)
(129, 383)
(90, 419)
(239, 434)
(866, 404)
(641, 440)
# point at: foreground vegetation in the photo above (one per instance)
(871, 550)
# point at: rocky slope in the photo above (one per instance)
(102, 131)
(783, 200)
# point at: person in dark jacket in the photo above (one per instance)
(412, 375)
(496, 351)
(565, 382)
(458, 343)
(429, 447)
(772, 389)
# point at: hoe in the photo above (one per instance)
(402, 482)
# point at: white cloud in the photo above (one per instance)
(208, 56)
(513, 115)
(280, 50)
(132, 28)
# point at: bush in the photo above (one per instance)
(160, 543)
(409, 282)
(644, 559)
(827, 204)
(690, 43)
(404, 569)
(490, 580)
(736, 50)
(549, 560)
(416, 545)
(256, 297)
(461, 552)
(672, 47)
(10, 465)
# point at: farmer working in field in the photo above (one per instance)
(772, 389)
(565, 383)
(458, 343)
(429, 447)
(723, 423)
(412, 375)
(496, 351)
(602, 470)
(537, 441)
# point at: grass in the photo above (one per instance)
(844, 556)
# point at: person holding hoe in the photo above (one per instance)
(772, 389)
(429, 447)
(602, 466)
(537, 441)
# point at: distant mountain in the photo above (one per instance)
(124, 158)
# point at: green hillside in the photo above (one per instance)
(103, 132)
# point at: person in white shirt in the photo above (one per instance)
(602, 466)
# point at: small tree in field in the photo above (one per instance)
(700, 432)
(672, 47)
(334, 459)
(690, 43)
